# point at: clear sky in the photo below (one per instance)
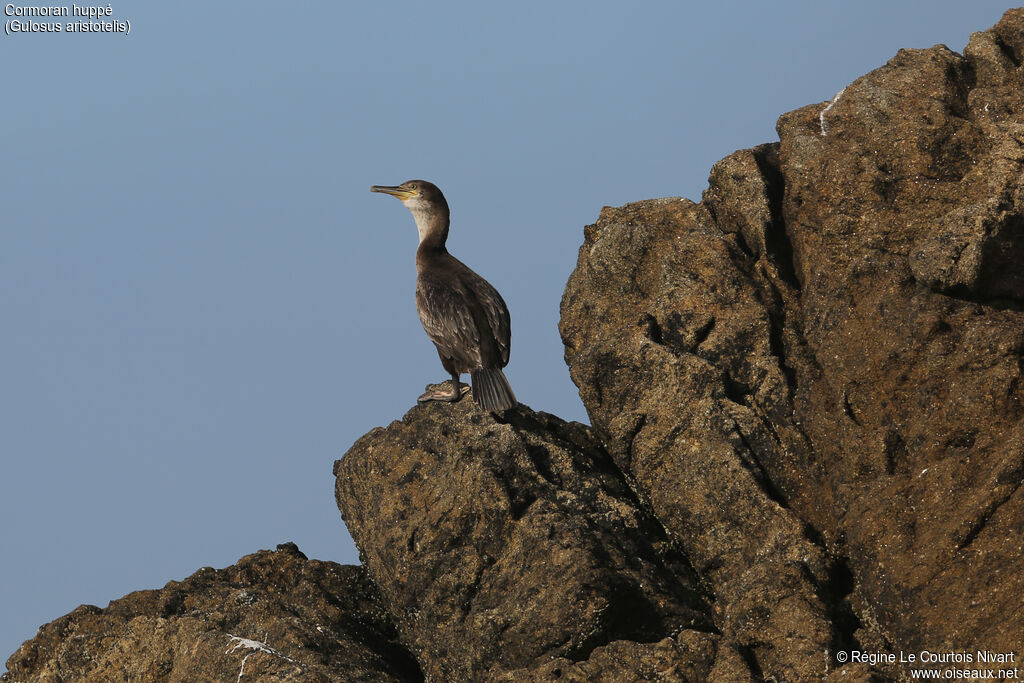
(202, 304)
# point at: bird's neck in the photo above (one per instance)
(433, 229)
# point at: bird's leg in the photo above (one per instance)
(458, 391)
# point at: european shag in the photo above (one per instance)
(461, 312)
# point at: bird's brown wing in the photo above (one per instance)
(448, 321)
(497, 314)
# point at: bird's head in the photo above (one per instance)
(425, 201)
(414, 193)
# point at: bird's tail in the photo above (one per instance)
(491, 390)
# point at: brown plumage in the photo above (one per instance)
(461, 312)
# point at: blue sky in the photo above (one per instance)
(203, 306)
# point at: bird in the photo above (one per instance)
(460, 311)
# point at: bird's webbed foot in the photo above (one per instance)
(458, 391)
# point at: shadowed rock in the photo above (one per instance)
(905, 224)
(675, 360)
(288, 618)
(498, 544)
(814, 374)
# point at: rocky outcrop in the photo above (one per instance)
(807, 439)
(692, 400)
(906, 225)
(497, 544)
(272, 616)
(838, 331)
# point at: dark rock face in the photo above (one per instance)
(279, 615)
(906, 229)
(496, 544)
(694, 403)
(807, 439)
(814, 375)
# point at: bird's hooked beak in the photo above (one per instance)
(402, 193)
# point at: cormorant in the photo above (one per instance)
(461, 312)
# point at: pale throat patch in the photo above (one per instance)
(419, 213)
